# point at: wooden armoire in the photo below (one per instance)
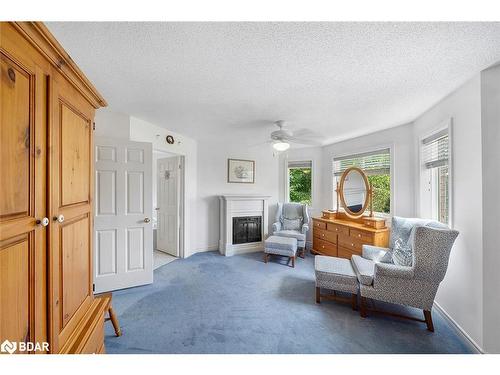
(46, 195)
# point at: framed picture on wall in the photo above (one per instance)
(240, 171)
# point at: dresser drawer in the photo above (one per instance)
(361, 235)
(350, 243)
(319, 224)
(324, 247)
(325, 235)
(339, 229)
(347, 253)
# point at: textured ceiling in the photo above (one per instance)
(210, 80)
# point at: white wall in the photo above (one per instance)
(400, 140)
(212, 182)
(143, 131)
(111, 124)
(460, 293)
(490, 114)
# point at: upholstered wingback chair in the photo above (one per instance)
(382, 276)
(292, 220)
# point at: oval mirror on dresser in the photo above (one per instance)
(354, 192)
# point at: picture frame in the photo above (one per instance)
(240, 171)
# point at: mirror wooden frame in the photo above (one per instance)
(368, 198)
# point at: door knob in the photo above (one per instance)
(43, 222)
(59, 218)
(147, 219)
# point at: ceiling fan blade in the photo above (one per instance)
(260, 143)
(306, 133)
(303, 141)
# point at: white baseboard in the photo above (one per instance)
(204, 249)
(457, 326)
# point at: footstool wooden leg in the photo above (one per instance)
(354, 301)
(293, 262)
(318, 294)
(265, 257)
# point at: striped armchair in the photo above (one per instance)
(292, 220)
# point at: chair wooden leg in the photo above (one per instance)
(265, 257)
(302, 252)
(318, 294)
(428, 320)
(293, 262)
(354, 301)
(362, 310)
(114, 321)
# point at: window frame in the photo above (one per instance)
(448, 126)
(379, 147)
(287, 179)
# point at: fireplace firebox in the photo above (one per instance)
(247, 229)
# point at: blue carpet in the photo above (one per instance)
(209, 303)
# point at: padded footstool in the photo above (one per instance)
(283, 246)
(336, 274)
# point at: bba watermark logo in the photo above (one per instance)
(11, 347)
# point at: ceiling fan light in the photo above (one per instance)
(281, 146)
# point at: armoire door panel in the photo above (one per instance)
(76, 256)
(75, 156)
(71, 215)
(16, 97)
(15, 273)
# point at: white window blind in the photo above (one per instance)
(435, 150)
(372, 163)
(300, 164)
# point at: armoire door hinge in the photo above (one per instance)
(93, 287)
(93, 126)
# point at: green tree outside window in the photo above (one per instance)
(300, 185)
(381, 192)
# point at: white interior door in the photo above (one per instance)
(123, 238)
(168, 204)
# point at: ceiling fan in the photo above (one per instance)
(282, 138)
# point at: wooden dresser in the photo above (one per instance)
(342, 237)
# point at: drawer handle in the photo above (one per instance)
(352, 245)
(359, 235)
(323, 246)
(322, 234)
(336, 229)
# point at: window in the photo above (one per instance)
(300, 182)
(377, 166)
(435, 157)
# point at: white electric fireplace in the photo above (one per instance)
(243, 223)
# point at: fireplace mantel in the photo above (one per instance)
(238, 205)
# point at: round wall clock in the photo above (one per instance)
(170, 140)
